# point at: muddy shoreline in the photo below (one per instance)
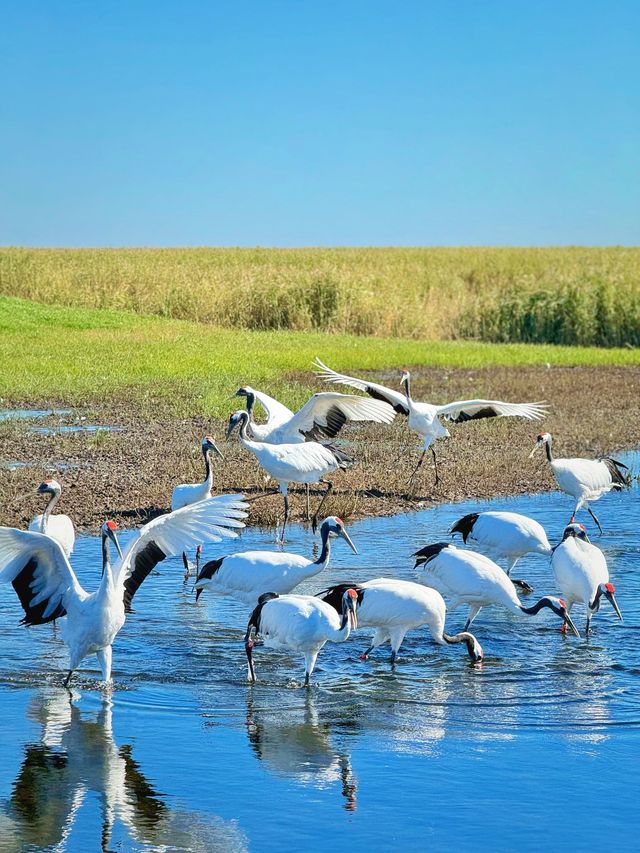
(129, 474)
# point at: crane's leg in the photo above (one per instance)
(68, 678)
(594, 517)
(522, 585)
(381, 636)
(310, 659)
(435, 463)
(396, 641)
(473, 612)
(416, 469)
(314, 523)
(104, 659)
(286, 516)
(185, 562)
(587, 629)
(308, 516)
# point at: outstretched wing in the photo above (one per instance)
(470, 410)
(206, 521)
(324, 415)
(277, 413)
(395, 399)
(40, 573)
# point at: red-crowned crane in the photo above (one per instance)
(301, 623)
(394, 607)
(424, 418)
(503, 535)
(581, 573)
(59, 526)
(48, 588)
(322, 416)
(189, 493)
(308, 462)
(465, 577)
(247, 575)
(585, 480)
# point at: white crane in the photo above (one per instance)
(424, 418)
(292, 463)
(581, 573)
(189, 493)
(247, 575)
(585, 480)
(59, 526)
(465, 577)
(322, 416)
(503, 535)
(300, 622)
(48, 588)
(394, 607)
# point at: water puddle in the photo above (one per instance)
(62, 430)
(32, 414)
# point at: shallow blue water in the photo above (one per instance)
(537, 746)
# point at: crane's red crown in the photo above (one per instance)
(563, 603)
(610, 587)
(352, 593)
(112, 525)
(339, 520)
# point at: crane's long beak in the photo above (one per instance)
(614, 604)
(216, 450)
(230, 428)
(112, 535)
(347, 538)
(353, 617)
(533, 452)
(569, 621)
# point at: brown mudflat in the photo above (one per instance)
(129, 475)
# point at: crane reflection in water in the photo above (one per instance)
(297, 744)
(76, 760)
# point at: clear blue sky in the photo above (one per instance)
(313, 122)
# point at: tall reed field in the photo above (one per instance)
(587, 296)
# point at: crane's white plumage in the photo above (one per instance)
(581, 572)
(465, 577)
(190, 493)
(290, 463)
(322, 416)
(300, 622)
(48, 588)
(247, 575)
(585, 480)
(394, 607)
(503, 535)
(425, 418)
(59, 526)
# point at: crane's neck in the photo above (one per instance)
(463, 637)
(406, 382)
(325, 554)
(244, 435)
(537, 607)
(53, 500)
(343, 632)
(548, 450)
(107, 577)
(251, 401)
(594, 606)
(208, 468)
